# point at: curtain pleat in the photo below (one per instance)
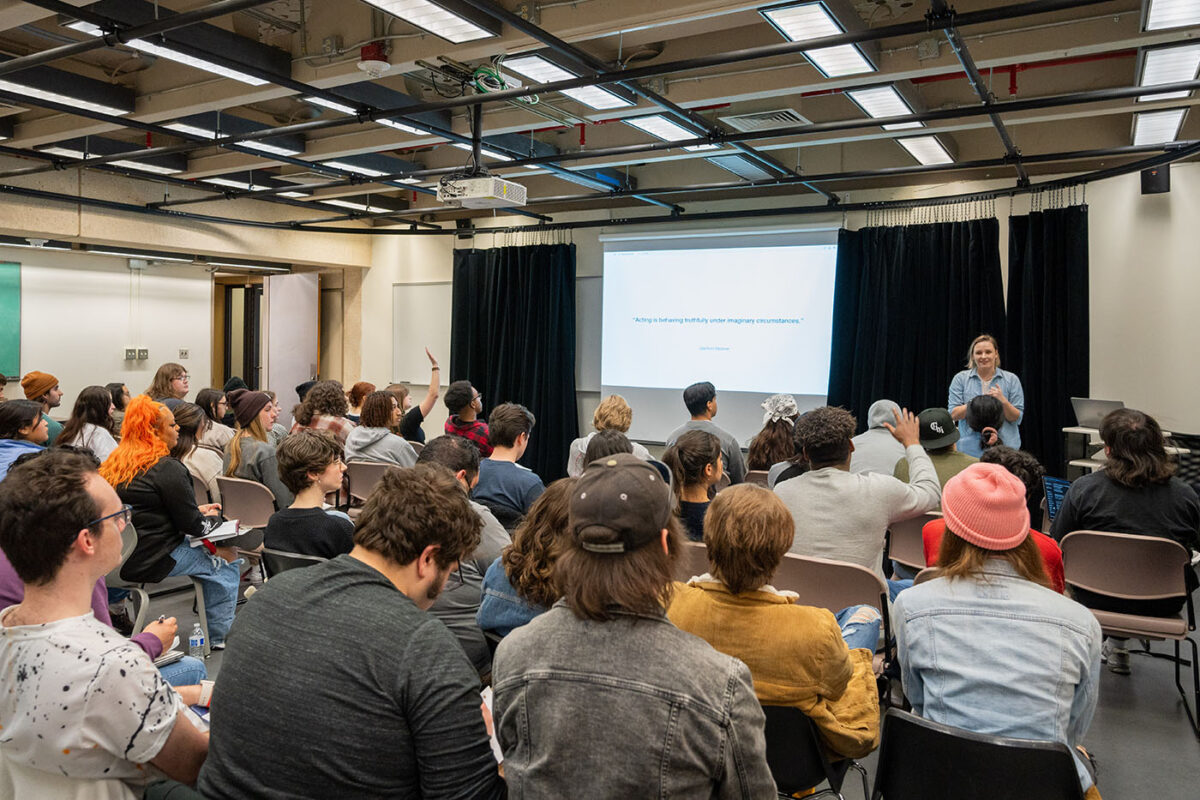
(513, 337)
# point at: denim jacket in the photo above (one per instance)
(501, 609)
(631, 707)
(1000, 656)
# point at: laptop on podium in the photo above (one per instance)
(1090, 412)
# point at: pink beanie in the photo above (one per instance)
(985, 505)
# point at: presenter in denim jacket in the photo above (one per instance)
(988, 646)
(984, 376)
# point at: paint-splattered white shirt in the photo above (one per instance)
(79, 700)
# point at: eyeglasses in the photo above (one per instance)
(183, 377)
(121, 517)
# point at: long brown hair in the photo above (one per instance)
(958, 558)
(1136, 454)
(326, 397)
(160, 387)
(596, 585)
(537, 544)
(687, 458)
(91, 406)
(774, 443)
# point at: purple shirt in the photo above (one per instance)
(12, 592)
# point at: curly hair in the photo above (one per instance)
(142, 445)
(774, 443)
(326, 397)
(613, 413)
(304, 452)
(538, 542)
(824, 433)
(377, 409)
(1024, 465)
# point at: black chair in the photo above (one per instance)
(923, 760)
(797, 757)
(277, 561)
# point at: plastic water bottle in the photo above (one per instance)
(196, 642)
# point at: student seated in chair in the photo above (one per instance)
(338, 684)
(701, 401)
(601, 696)
(988, 646)
(82, 704)
(310, 465)
(502, 481)
(798, 656)
(373, 439)
(465, 404)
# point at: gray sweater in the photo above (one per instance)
(381, 445)
(731, 451)
(258, 464)
(844, 515)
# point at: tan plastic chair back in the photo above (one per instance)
(363, 476)
(128, 542)
(1124, 565)
(417, 446)
(722, 483)
(201, 491)
(906, 544)
(692, 561)
(927, 574)
(249, 502)
(834, 585)
(757, 476)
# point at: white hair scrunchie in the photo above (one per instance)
(780, 407)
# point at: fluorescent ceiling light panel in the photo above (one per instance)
(143, 166)
(660, 127)
(159, 48)
(926, 149)
(742, 167)
(293, 194)
(65, 152)
(542, 70)
(14, 86)
(435, 18)
(1168, 65)
(348, 109)
(1172, 14)
(364, 207)
(370, 173)
(158, 165)
(237, 126)
(1157, 127)
(883, 101)
(805, 21)
(484, 151)
(243, 185)
(400, 126)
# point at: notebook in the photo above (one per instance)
(1056, 490)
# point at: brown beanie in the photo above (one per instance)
(37, 384)
(246, 405)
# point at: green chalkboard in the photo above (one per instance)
(10, 318)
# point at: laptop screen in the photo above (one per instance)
(1056, 490)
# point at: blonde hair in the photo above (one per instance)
(983, 337)
(958, 558)
(254, 430)
(613, 413)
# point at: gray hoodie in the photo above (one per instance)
(381, 445)
(875, 449)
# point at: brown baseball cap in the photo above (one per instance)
(620, 504)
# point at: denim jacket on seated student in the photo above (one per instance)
(601, 696)
(991, 648)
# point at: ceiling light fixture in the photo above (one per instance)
(68, 88)
(493, 154)
(926, 149)
(1162, 14)
(214, 125)
(662, 128)
(99, 146)
(157, 46)
(1157, 127)
(455, 22)
(1161, 65)
(883, 101)
(541, 69)
(741, 166)
(800, 22)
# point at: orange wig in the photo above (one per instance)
(142, 445)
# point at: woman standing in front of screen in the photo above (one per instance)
(984, 376)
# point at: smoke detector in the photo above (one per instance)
(372, 59)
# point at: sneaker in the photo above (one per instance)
(1118, 661)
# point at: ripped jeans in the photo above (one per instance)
(860, 626)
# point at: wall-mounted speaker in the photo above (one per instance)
(1156, 180)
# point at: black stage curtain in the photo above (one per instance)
(1048, 331)
(907, 302)
(513, 337)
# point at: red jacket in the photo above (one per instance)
(931, 535)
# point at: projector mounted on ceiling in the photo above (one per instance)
(483, 191)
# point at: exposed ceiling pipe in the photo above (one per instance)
(717, 59)
(597, 67)
(941, 14)
(1166, 158)
(1009, 106)
(114, 34)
